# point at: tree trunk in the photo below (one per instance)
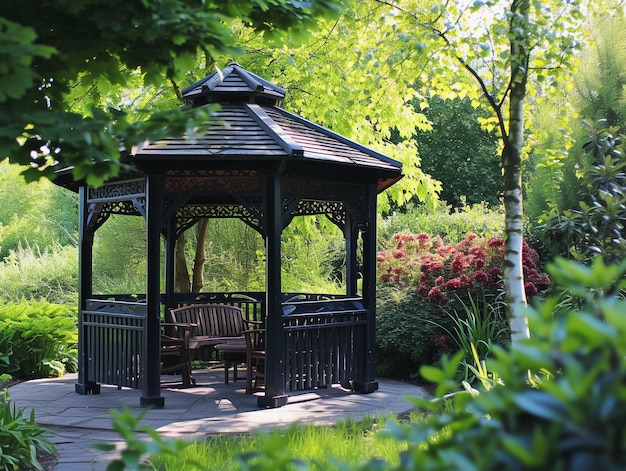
(198, 261)
(512, 166)
(183, 282)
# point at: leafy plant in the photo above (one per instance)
(134, 457)
(33, 274)
(554, 401)
(440, 271)
(20, 437)
(596, 227)
(476, 329)
(42, 339)
(410, 332)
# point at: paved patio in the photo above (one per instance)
(77, 422)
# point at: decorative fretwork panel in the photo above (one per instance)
(187, 216)
(218, 182)
(124, 190)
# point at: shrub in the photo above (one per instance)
(596, 227)
(441, 271)
(20, 437)
(462, 280)
(410, 332)
(40, 338)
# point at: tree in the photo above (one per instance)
(47, 53)
(460, 154)
(507, 50)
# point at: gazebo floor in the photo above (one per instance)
(77, 422)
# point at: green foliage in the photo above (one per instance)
(40, 214)
(559, 171)
(20, 437)
(41, 67)
(477, 327)
(51, 275)
(120, 256)
(135, 455)
(307, 255)
(451, 225)
(596, 227)
(234, 257)
(461, 155)
(38, 338)
(410, 332)
(556, 401)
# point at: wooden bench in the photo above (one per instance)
(215, 324)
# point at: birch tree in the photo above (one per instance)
(509, 51)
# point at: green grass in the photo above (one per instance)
(324, 446)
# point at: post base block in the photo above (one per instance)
(365, 387)
(87, 388)
(158, 402)
(272, 402)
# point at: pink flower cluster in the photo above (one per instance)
(437, 270)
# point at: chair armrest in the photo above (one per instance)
(253, 324)
(177, 330)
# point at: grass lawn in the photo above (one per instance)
(348, 442)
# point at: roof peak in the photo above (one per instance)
(233, 83)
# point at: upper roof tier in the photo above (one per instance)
(231, 85)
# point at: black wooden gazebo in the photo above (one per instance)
(263, 165)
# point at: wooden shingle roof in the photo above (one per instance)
(252, 127)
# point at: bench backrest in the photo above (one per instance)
(219, 320)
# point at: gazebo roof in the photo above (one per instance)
(252, 127)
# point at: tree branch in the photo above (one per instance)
(497, 107)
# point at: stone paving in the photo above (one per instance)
(76, 422)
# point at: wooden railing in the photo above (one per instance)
(324, 347)
(324, 337)
(113, 341)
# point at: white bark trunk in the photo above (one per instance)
(512, 166)
(513, 267)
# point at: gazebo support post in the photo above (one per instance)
(151, 358)
(85, 288)
(351, 240)
(170, 254)
(274, 335)
(366, 382)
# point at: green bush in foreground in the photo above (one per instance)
(20, 437)
(555, 401)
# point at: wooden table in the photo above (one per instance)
(233, 352)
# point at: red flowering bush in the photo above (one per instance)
(438, 271)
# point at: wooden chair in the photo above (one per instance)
(175, 352)
(255, 358)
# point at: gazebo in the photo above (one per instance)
(263, 165)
